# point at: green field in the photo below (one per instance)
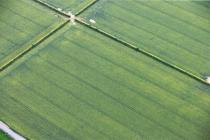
(21, 25)
(80, 84)
(178, 32)
(3, 136)
(69, 5)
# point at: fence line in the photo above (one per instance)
(86, 7)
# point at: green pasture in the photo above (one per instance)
(22, 22)
(78, 84)
(69, 5)
(178, 32)
(99, 89)
(3, 136)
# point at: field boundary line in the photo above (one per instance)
(86, 7)
(43, 38)
(121, 41)
(28, 49)
(135, 48)
(55, 9)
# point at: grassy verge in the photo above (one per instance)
(3, 136)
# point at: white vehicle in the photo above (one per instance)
(92, 21)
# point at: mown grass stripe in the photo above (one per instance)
(37, 8)
(92, 51)
(102, 92)
(59, 93)
(103, 40)
(135, 91)
(43, 75)
(7, 40)
(85, 102)
(156, 35)
(190, 4)
(109, 96)
(152, 20)
(131, 46)
(10, 41)
(86, 40)
(25, 18)
(63, 13)
(51, 7)
(57, 105)
(10, 100)
(126, 43)
(37, 114)
(14, 28)
(169, 2)
(143, 3)
(28, 49)
(22, 102)
(137, 76)
(130, 89)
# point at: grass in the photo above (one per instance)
(3, 136)
(79, 84)
(69, 5)
(20, 26)
(157, 27)
(94, 90)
